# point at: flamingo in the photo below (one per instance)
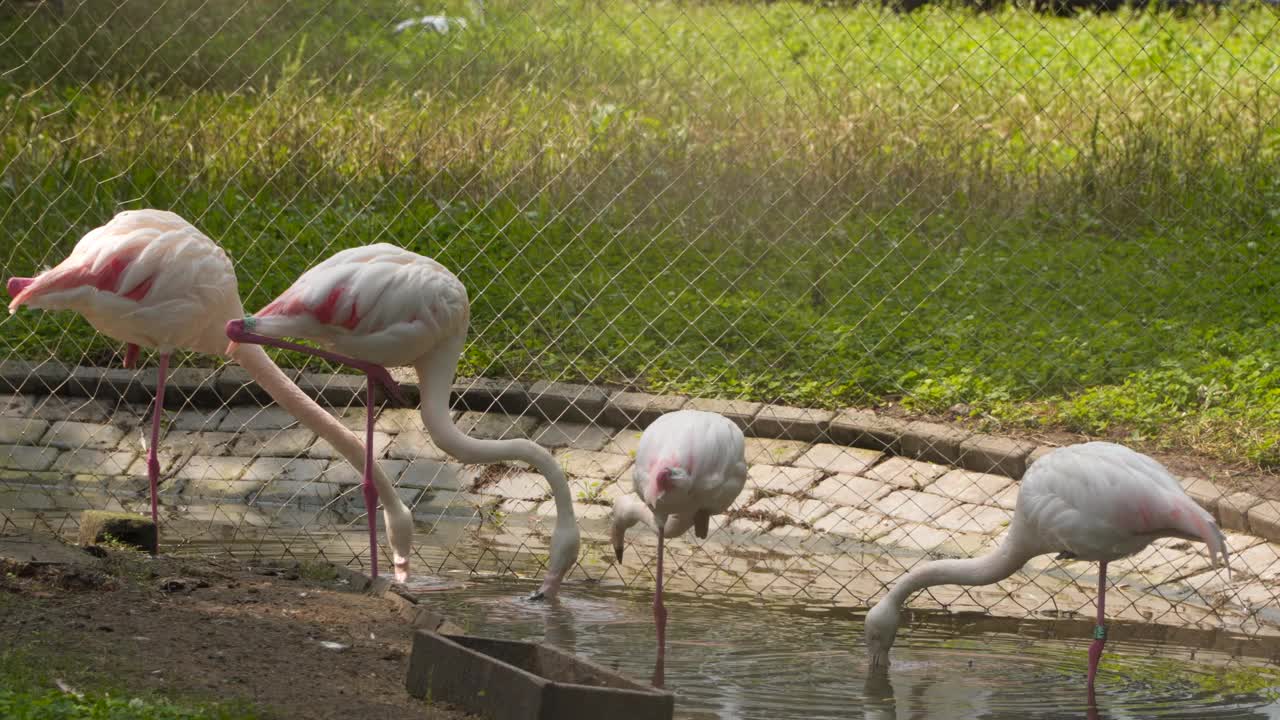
(1095, 501)
(690, 465)
(382, 306)
(151, 279)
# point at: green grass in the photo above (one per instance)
(1062, 222)
(28, 692)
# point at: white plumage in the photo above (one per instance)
(151, 279)
(382, 306)
(689, 466)
(1096, 501)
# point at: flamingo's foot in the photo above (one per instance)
(400, 565)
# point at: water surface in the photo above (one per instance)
(768, 661)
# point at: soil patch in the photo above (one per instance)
(286, 638)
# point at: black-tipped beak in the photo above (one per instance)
(617, 552)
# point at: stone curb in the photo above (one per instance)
(853, 427)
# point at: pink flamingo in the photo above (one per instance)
(151, 279)
(381, 306)
(690, 465)
(1095, 501)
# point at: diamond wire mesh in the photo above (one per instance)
(666, 198)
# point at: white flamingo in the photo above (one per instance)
(381, 306)
(690, 465)
(1095, 501)
(151, 279)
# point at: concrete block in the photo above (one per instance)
(864, 428)
(567, 403)
(638, 410)
(53, 408)
(1233, 510)
(519, 486)
(994, 454)
(914, 506)
(486, 395)
(791, 423)
(1264, 519)
(436, 475)
(206, 468)
(741, 412)
(304, 493)
(234, 386)
(933, 442)
(250, 417)
(274, 443)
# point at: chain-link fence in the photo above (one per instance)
(998, 221)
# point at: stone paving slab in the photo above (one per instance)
(970, 486)
(27, 457)
(21, 430)
(838, 458)
(322, 448)
(851, 490)
(575, 435)
(414, 443)
(272, 443)
(779, 479)
(73, 435)
(95, 462)
(904, 473)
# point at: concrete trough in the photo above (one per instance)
(508, 680)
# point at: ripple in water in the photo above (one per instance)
(753, 661)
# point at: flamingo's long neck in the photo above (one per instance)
(435, 376)
(259, 365)
(983, 570)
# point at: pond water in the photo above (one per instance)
(776, 660)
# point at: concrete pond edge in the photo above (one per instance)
(566, 402)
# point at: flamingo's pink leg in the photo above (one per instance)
(1099, 632)
(153, 459)
(130, 355)
(236, 331)
(660, 620)
(370, 492)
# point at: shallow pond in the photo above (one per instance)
(770, 661)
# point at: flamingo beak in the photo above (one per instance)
(17, 285)
(617, 552)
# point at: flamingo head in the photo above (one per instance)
(668, 478)
(627, 511)
(565, 542)
(881, 628)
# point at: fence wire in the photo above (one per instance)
(1048, 226)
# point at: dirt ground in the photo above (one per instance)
(213, 630)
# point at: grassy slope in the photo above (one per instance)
(1063, 221)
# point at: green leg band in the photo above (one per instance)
(1099, 632)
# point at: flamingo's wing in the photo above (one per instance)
(707, 445)
(146, 277)
(1101, 500)
(379, 302)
